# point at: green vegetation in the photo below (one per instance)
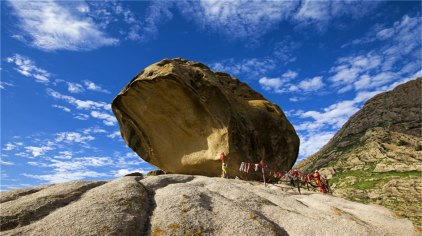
(370, 180)
(364, 182)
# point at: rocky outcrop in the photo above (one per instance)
(191, 205)
(118, 207)
(379, 146)
(179, 116)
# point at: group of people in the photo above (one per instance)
(314, 180)
(295, 177)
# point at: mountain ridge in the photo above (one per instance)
(376, 157)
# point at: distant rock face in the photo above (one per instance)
(179, 116)
(398, 110)
(377, 150)
(188, 205)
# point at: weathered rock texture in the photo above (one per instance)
(179, 116)
(376, 157)
(191, 205)
(119, 207)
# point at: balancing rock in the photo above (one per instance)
(179, 115)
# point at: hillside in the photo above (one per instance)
(376, 157)
(188, 205)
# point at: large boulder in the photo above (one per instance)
(179, 115)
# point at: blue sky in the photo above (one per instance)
(62, 63)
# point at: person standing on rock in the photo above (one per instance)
(317, 176)
(223, 166)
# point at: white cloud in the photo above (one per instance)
(23, 154)
(334, 115)
(66, 176)
(113, 135)
(79, 163)
(130, 159)
(73, 137)
(51, 25)
(283, 85)
(290, 74)
(395, 54)
(26, 67)
(311, 84)
(368, 82)
(251, 68)
(94, 87)
(312, 142)
(66, 109)
(38, 151)
(283, 50)
(64, 155)
(79, 104)
(94, 130)
(296, 99)
(106, 13)
(74, 87)
(83, 8)
(108, 119)
(123, 172)
(81, 116)
(279, 85)
(158, 12)
(271, 84)
(72, 168)
(9, 147)
(348, 69)
(251, 19)
(312, 10)
(6, 163)
(3, 85)
(237, 19)
(320, 13)
(404, 80)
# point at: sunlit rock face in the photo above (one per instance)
(179, 116)
(188, 205)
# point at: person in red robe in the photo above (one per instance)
(317, 176)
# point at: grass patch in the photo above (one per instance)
(369, 180)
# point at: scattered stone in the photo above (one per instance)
(135, 174)
(156, 172)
